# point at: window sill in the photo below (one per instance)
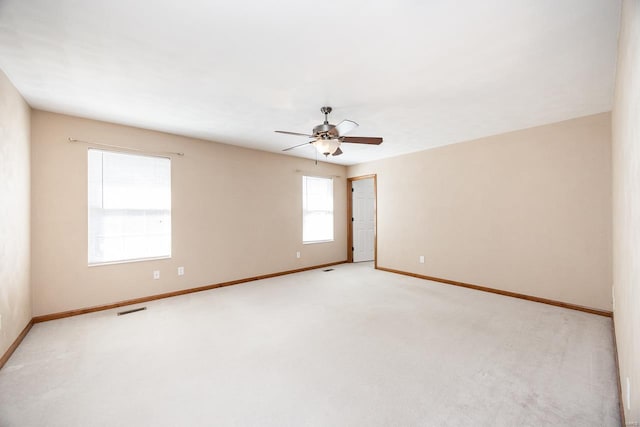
(313, 242)
(127, 261)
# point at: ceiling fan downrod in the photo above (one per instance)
(326, 111)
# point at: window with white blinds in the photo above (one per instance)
(129, 207)
(317, 209)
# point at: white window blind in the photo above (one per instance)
(317, 209)
(129, 207)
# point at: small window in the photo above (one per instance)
(317, 209)
(129, 207)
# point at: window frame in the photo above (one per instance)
(332, 212)
(89, 208)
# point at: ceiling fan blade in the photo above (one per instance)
(337, 152)
(361, 140)
(345, 126)
(293, 133)
(296, 146)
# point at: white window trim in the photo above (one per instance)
(333, 225)
(135, 260)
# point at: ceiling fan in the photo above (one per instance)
(327, 137)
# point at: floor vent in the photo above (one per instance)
(328, 269)
(131, 311)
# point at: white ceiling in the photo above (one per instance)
(418, 73)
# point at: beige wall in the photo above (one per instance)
(527, 211)
(626, 206)
(15, 289)
(236, 213)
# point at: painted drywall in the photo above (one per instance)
(236, 213)
(419, 73)
(626, 207)
(15, 288)
(526, 211)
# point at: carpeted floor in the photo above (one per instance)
(350, 347)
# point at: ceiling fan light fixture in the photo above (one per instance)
(326, 146)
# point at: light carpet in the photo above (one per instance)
(350, 347)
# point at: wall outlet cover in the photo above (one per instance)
(613, 297)
(156, 274)
(180, 271)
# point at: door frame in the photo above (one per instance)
(350, 216)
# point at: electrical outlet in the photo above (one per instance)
(628, 394)
(613, 297)
(156, 274)
(298, 254)
(421, 259)
(180, 271)
(0, 322)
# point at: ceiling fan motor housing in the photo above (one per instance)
(324, 131)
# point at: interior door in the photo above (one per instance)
(363, 203)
